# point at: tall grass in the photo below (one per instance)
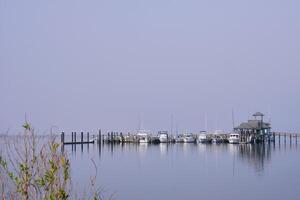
(31, 169)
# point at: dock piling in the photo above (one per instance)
(284, 140)
(99, 137)
(62, 137)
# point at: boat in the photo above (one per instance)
(163, 136)
(179, 139)
(188, 138)
(219, 137)
(143, 137)
(129, 138)
(234, 138)
(154, 140)
(203, 138)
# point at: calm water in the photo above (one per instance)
(190, 171)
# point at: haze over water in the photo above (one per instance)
(104, 64)
(190, 171)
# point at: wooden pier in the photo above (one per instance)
(74, 139)
(118, 137)
(286, 135)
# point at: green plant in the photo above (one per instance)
(35, 171)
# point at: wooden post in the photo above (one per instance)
(75, 138)
(88, 141)
(72, 140)
(99, 136)
(284, 137)
(62, 141)
(290, 138)
(62, 138)
(81, 141)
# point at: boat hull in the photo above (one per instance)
(204, 140)
(188, 140)
(234, 141)
(163, 139)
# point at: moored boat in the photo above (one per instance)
(188, 138)
(219, 137)
(234, 138)
(203, 138)
(163, 136)
(143, 137)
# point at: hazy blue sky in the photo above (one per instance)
(83, 65)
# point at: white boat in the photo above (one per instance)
(188, 138)
(234, 138)
(203, 138)
(163, 136)
(143, 137)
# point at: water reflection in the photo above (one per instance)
(179, 170)
(254, 155)
(163, 148)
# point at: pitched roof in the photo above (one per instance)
(258, 114)
(253, 124)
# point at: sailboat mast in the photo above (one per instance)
(139, 123)
(232, 115)
(172, 118)
(205, 119)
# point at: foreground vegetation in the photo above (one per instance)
(30, 169)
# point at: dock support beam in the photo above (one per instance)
(62, 138)
(99, 137)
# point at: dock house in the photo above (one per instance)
(255, 129)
